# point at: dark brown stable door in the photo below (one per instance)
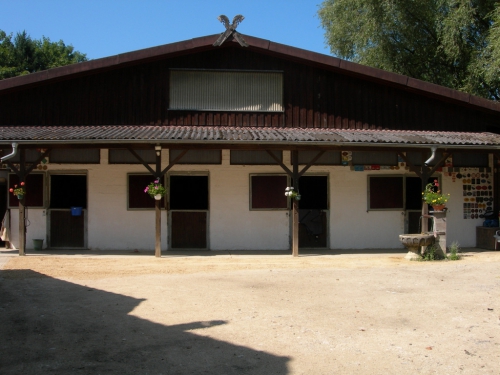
(67, 230)
(313, 209)
(188, 212)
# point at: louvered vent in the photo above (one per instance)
(226, 91)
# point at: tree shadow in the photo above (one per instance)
(51, 326)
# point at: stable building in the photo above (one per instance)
(227, 128)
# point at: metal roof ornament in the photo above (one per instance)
(230, 30)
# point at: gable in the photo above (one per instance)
(318, 92)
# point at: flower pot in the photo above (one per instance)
(158, 197)
(438, 207)
(38, 244)
(20, 196)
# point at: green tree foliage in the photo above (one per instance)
(20, 55)
(454, 43)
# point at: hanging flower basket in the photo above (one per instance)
(155, 190)
(291, 193)
(19, 192)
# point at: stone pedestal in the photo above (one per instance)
(413, 242)
(440, 230)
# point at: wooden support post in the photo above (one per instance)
(22, 228)
(22, 208)
(157, 206)
(425, 207)
(295, 228)
(295, 204)
(158, 229)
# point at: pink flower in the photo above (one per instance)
(146, 190)
(11, 190)
(156, 181)
(22, 183)
(436, 183)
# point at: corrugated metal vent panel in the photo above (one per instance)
(226, 91)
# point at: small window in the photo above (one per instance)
(470, 160)
(124, 156)
(75, 156)
(244, 157)
(31, 156)
(385, 193)
(374, 158)
(197, 156)
(34, 190)
(268, 192)
(137, 198)
(328, 158)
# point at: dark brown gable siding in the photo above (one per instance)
(314, 97)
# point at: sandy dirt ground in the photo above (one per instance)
(249, 314)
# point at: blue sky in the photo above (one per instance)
(109, 27)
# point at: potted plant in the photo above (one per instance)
(433, 196)
(291, 193)
(155, 189)
(20, 192)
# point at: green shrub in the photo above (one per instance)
(454, 252)
(432, 253)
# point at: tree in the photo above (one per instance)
(454, 43)
(22, 55)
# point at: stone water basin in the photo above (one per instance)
(414, 241)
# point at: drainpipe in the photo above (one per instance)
(431, 159)
(11, 155)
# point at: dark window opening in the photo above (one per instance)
(413, 192)
(68, 191)
(189, 192)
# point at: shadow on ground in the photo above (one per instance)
(50, 326)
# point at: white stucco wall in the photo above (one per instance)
(459, 229)
(232, 225)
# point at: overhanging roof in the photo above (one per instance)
(224, 136)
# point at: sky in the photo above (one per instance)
(103, 28)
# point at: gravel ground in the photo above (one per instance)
(222, 313)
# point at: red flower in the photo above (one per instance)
(22, 183)
(11, 190)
